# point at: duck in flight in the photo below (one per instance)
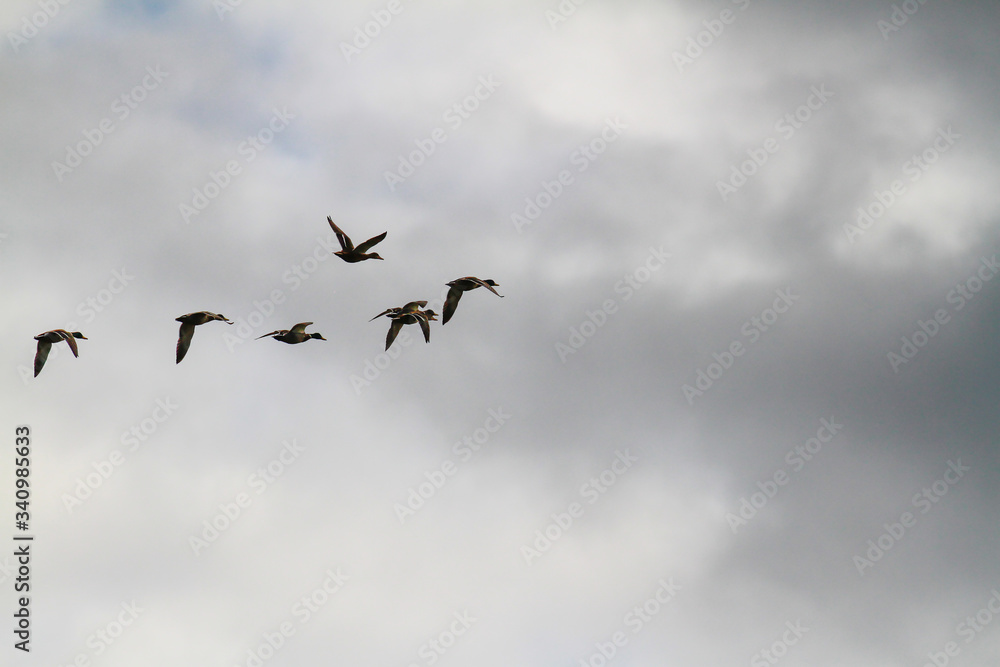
(348, 252)
(188, 323)
(408, 314)
(411, 307)
(460, 285)
(45, 341)
(296, 334)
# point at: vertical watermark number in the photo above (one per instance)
(22, 545)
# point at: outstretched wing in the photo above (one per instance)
(451, 303)
(413, 306)
(68, 337)
(425, 326)
(367, 245)
(394, 328)
(300, 327)
(184, 340)
(41, 355)
(485, 284)
(279, 331)
(345, 240)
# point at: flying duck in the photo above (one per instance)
(188, 323)
(296, 334)
(45, 341)
(348, 252)
(408, 314)
(460, 285)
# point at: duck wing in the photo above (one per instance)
(344, 239)
(485, 284)
(68, 337)
(451, 303)
(394, 328)
(41, 354)
(425, 326)
(184, 340)
(413, 306)
(367, 245)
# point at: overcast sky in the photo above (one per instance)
(737, 405)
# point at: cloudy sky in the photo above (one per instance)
(737, 404)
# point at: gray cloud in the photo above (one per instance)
(588, 352)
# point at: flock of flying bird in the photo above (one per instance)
(409, 313)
